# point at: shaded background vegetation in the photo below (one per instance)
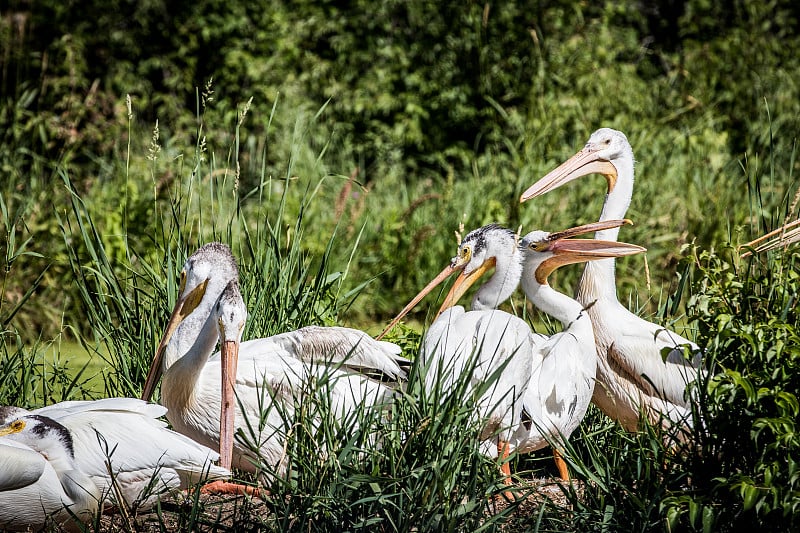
(447, 110)
(338, 145)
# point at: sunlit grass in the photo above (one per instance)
(89, 367)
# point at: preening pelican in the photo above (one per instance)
(39, 481)
(256, 373)
(632, 374)
(125, 435)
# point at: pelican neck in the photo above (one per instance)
(599, 280)
(554, 303)
(502, 284)
(193, 342)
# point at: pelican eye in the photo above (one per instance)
(14, 427)
(539, 246)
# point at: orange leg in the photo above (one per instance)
(226, 487)
(505, 467)
(561, 464)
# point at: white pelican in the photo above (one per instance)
(485, 340)
(641, 365)
(564, 366)
(39, 481)
(504, 345)
(259, 372)
(124, 434)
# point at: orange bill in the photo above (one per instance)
(581, 164)
(443, 275)
(183, 308)
(570, 251)
(463, 283)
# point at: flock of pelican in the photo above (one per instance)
(63, 463)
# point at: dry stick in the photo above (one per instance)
(786, 225)
(783, 230)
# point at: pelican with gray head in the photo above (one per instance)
(209, 396)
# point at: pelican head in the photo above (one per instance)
(479, 251)
(603, 154)
(203, 278)
(231, 313)
(545, 252)
(39, 433)
(212, 261)
(9, 413)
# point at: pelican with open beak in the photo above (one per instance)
(502, 344)
(633, 376)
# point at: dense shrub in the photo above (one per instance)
(746, 468)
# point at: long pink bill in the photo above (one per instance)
(581, 164)
(570, 251)
(588, 228)
(443, 275)
(230, 363)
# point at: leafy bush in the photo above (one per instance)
(447, 112)
(749, 446)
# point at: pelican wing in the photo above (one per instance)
(59, 410)
(653, 357)
(501, 345)
(564, 388)
(19, 465)
(288, 379)
(559, 391)
(126, 433)
(31, 492)
(336, 345)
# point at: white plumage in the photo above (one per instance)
(542, 384)
(146, 458)
(275, 370)
(564, 366)
(490, 343)
(39, 483)
(122, 435)
(633, 374)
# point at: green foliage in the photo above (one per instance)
(126, 299)
(438, 113)
(746, 311)
(411, 463)
(626, 478)
(338, 148)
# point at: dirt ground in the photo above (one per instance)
(240, 513)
